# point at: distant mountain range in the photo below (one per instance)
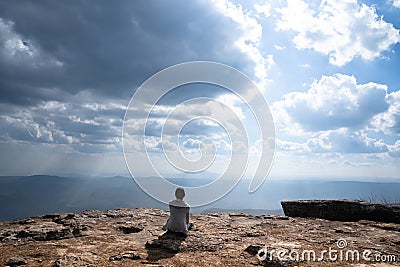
(25, 196)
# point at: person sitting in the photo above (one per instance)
(179, 214)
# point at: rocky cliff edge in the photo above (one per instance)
(133, 237)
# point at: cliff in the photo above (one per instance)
(133, 237)
(342, 210)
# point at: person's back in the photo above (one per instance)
(179, 214)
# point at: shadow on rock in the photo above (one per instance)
(165, 246)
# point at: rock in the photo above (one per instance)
(118, 213)
(45, 231)
(129, 229)
(253, 249)
(15, 261)
(341, 210)
(72, 260)
(65, 219)
(4, 235)
(25, 221)
(60, 263)
(76, 223)
(171, 246)
(50, 216)
(253, 234)
(92, 213)
(45, 234)
(125, 255)
(169, 242)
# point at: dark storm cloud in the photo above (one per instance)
(62, 48)
(68, 69)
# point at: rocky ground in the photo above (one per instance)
(133, 237)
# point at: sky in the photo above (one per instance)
(328, 69)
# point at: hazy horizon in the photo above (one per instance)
(269, 178)
(24, 196)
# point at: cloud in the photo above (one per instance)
(396, 3)
(331, 103)
(192, 143)
(15, 49)
(279, 47)
(250, 39)
(195, 118)
(356, 164)
(338, 115)
(305, 65)
(389, 121)
(341, 29)
(343, 141)
(94, 127)
(67, 71)
(264, 9)
(112, 48)
(395, 149)
(222, 148)
(335, 141)
(290, 146)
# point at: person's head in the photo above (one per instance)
(179, 193)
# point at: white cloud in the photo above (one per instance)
(389, 121)
(341, 29)
(264, 9)
(332, 102)
(305, 65)
(344, 141)
(189, 121)
(290, 146)
(279, 47)
(338, 115)
(395, 149)
(335, 141)
(192, 143)
(249, 41)
(232, 101)
(396, 3)
(357, 164)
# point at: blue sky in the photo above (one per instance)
(328, 69)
